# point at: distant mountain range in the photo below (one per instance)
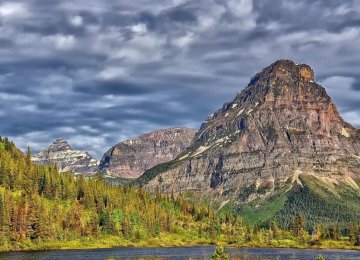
(131, 158)
(278, 147)
(128, 159)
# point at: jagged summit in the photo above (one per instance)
(282, 127)
(66, 158)
(280, 87)
(60, 140)
(60, 144)
(277, 80)
(286, 69)
(283, 79)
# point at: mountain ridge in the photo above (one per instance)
(129, 159)
(282, 126)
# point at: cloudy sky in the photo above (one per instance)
(98, 72)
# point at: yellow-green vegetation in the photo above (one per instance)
(263, 211)
(220, 254)
(320, 257)
(41, 208)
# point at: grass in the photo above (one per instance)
(180, 240)
(164, 240)
(258, 211)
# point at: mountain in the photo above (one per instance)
(280, 142)
(131, 158)
(66, 158)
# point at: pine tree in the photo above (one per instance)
(316, 235)
(200, 231)
(335, 232)
(297, 226)
(4, 217)
(248, 235)
(28, 159)
(168, 223)
(352, 231)
(274, 228)
(126, 228)
(106, 224)
(357, 237)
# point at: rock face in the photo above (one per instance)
(66, 158)
(282, 126)
(131, 158)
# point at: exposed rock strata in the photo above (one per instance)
(131, 158)
(281, 126)
(61, 154)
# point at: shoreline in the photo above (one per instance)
(99, 244)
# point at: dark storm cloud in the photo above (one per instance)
(115, 87)
(104, 71)
(5, 43)
(181, 16)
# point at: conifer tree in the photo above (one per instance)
(297, 226)
(316, 235)
(274, 228)
(357, 237)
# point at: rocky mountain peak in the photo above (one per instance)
(283, 80)
(282, 125)
(66, 158)
(60, 144)
(283, 86)
(285, 70)
(282, 69)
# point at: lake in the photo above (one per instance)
(194, 252)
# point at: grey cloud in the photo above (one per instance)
(116, 87)
(182, 16)
(106, 71)
(5, 43)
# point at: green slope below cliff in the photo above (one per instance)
(319, 203)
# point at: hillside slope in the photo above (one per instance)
(131, 158)
(41, 208)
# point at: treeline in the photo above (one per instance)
(38, 204)
(320, 205)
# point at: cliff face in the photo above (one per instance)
(66, 158)
(281, 127)
(131, 158)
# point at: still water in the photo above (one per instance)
(195, 252)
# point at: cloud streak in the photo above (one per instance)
(101, 72)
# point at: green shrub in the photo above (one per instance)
(220, 254)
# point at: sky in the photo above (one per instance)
(98, 72)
